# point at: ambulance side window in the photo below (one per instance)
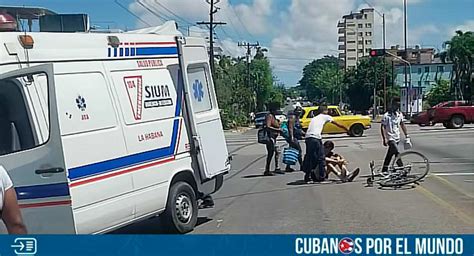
(200, 89)
(17, 129)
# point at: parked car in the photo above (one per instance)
(452, 114)
(356, 124)
(422, 119)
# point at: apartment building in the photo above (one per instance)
(356, 36)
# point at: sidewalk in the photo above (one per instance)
(238, 130)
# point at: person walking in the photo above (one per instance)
(315, 155)
(295, 133)
(272, 127)
(392, 121)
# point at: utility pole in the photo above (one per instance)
(249, 47)
(384, 67)
(211, 25)
(408, 86)
(374, 111)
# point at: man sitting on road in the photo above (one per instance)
(337, 164)
(315, 157)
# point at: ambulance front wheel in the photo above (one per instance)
(181, 211)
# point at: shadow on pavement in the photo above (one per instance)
(302, 182)
(255, 176)
(402, 188)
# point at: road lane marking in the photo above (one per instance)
(451, 185)
(453, 174)
(460, 214)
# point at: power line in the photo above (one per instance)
(212, 25)
(173, 13)
(240, 20)
(153, 12)
(131, 13)
(234, 27)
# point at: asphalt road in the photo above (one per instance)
(250, 203)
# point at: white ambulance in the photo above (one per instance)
(98, 131)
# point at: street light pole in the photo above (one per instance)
(408, 86)
(384, 67)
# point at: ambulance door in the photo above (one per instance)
(33, 155)
(201, 108)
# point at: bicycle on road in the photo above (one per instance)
(407, 168)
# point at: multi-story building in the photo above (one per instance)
(356, 36)
(415, 55)
(423, 77)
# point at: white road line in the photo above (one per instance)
(454, 174)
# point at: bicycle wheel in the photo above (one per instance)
(408, 167)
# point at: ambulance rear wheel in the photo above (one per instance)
(181, 209)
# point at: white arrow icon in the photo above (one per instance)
(21, 246)
(25, 246)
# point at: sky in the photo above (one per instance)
(294, 31)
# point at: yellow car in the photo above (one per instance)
(356, 124)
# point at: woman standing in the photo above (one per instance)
(273, 129)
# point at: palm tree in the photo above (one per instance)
(260, 53)
(460, 51)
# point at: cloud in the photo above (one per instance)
(309, 31)
(467, 26)
(254, 15)
(387, 3)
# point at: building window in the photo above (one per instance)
(419, 70)
(351, 50)
(351, 58)
(365, 16)
(368, 33)
(427, 69)
(360, 26)
(440, 69)
(368, 42)
(351, 33)
(351, 42)
(351, 24)
(361, 34)
(367, 50)
(361, 51)
(361, 43)
(368, 25)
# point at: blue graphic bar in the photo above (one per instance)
(243, 245)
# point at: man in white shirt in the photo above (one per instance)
(392, 121)
(315, 156)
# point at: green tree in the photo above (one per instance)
(439, 93)
(460, 51)
(262, 81)
(321, 79)
(360, 83)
